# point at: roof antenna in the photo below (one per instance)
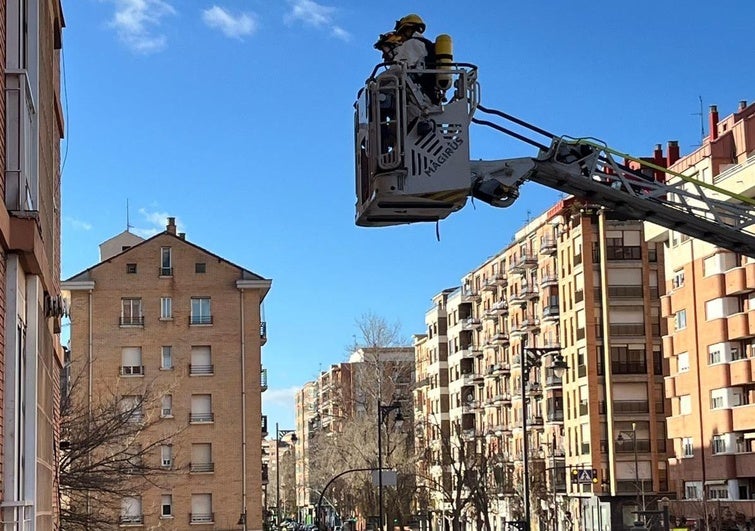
(129, 226)
(702, 123)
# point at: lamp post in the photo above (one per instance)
(278, 434)
(640, 486)
(382, 412)
(532, 357)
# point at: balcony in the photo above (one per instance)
(555, 417)
(535, 421)
(490, 315)
(471, 323)
(548, 246)
(627, 445)
(263, 333)
(501, 279)
(470, 295)
(201, 370)
(501, 308)
(475, 351)
(534, 389)
(553, 382)
(264, 426)
(530, 324)
(201, 518)
(529, 293)
(549, 280)
(132, 370)
(201, 418)
(206, 468)
(131, 320)
(263, 380)
(501, 369)
(465, 353)
(500, 339)
(265, 472)
(521, 263)
(130, 519)
(502, 399)
(551, 313)
(200, 320)
(489, 285)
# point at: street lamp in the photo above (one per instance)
(399, 420)
(640, 486)
(533, 357)
(278, 434)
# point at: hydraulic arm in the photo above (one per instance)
(413, 165)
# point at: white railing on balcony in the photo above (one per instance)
(21, 143)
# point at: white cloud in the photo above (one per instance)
(137, 23)
(158, 222)
(280, 397)
(316, 15)
(77, 223)
(232, 26)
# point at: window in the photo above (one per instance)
(718, 445)
(167, 406)
(201, 508)
(201, 409)
(718, 493)
(131, 361)
(166, 262)
(201, 361)
(716, 402)
(201, 458)
(131, 510)
(685, 405)
(688, 450)
(678, 280)
(682, 362)
(166, 456)
(692, 490)
(166, 506)
(680, 320)
(131, 407)
(166, 308)
(130, 269)
(200, 311)
(131, 312)
(714, 354)
(200, 267)
(166, 358)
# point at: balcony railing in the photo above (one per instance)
(263, 379)
(630, 486)
(201, 518)
(201, 418)
(131, 519)
(131, 320)
(200, 319)
(628, 367)
(264, 425)
(627, 445)
(547, 245)
(263, 332)
(132, 370)
(202, 468)
(23, 146)
(201, 370)
(630, 406)
(555, 416)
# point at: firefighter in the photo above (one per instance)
(415, 48)
(387, 44)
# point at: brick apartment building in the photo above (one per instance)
(167, 313)
(577, 282)
(710, 309)
(32, 124)
(342, 392)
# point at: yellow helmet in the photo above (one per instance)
(410, 20)
(388, 39)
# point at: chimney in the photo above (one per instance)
(659, 160)
(742, 105)
(673, 152)
(713, 122)
(182, 235)
(171, 228)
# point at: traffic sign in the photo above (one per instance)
(584, 476)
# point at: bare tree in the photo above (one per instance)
(110, 449)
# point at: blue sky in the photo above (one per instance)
(235, 116)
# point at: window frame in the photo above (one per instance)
(166, 261)
(204, 314)
(166, 308)
(163, 351)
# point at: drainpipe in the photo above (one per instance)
(243, 412)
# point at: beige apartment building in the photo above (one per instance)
(31, 306)
(578, 283)
(710, 309)
(167, 315)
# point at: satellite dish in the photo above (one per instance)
(470, 397)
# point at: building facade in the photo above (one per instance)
(170, 318)
(709, 307)
(580, 285)
(31, 307)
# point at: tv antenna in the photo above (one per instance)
(702, 122)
